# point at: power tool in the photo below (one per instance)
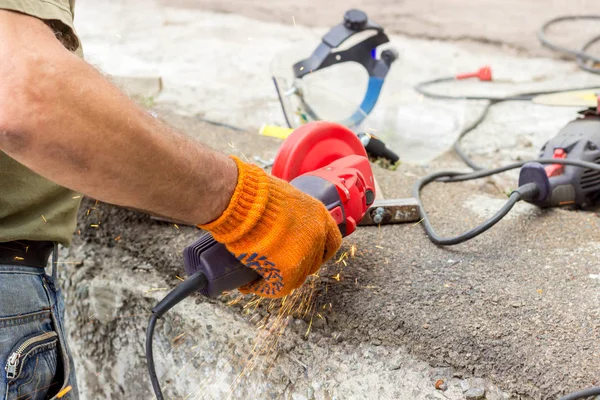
(324, 159)
(571, 176)
(560, 184)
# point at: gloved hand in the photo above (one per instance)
(279, 231)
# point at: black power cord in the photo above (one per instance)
(478, 230)
(583, 58)
(491, 101)
(484, 74)
(191, 285)
(479, 171)
(420, 88)
(583, 394)
(150, 357)
(522, 193)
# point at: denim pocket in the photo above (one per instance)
(31, 367)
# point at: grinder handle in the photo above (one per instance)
(223, 270)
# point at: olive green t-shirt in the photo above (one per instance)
(32, 207)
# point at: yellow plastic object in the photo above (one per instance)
(576, 98)
(275, 131)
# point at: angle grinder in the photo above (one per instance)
(323, 159)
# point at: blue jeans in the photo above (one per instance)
(35, 361)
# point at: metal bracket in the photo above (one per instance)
(392, 211)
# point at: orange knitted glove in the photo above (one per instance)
(275, 229)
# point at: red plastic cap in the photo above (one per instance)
(483, 74)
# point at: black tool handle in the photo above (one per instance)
(222, 269)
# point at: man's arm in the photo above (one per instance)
(62, 119)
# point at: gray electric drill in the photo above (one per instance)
(563, 185)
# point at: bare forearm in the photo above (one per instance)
(83, 133)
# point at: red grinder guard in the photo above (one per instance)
(333, 153)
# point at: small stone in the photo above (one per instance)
(396, 366)
(516, 305)
(442, 372)
(441, 385)
(167, 329)
(337, 336)
(426, 326)
(300, 325)
(475, 394)
(319, 323)
(144, 267)
(82, 291)
(525, 142)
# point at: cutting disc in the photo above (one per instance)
(315, 145)
(576, 98)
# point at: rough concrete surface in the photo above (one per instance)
(111, 292)
(513, 313)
